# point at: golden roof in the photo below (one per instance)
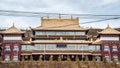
(109, 30)
(12, 30)
(59, 24)
(97, 41)
(26, 42)
(61, 41)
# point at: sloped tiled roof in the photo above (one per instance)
(61, 41)
(12, 30)
(59, 24)
(109, 30)
(97, 41)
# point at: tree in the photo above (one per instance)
(31, 61)
(10, 64)
(40, 62)
(108, 65)
(78, 62)
(60, 63)
(104, 61)
(69, 62)
(94, 62)
(0, 60)
(87, 61)
(22, 63)
(51, 65)
(114, 63)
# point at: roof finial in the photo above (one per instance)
(13, 24)
(108, 26)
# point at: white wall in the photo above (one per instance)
(12, 38)
(110, 38)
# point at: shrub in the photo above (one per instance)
(22, 63)
(10, 64)
(51, 65)
(31, 61)
(87, 61)
(78, 62)
(69, 62)
(60, 63)
(94, 62)
(40, 62)
(0, 59)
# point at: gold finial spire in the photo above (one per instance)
(13, 25)
(108, 25)
(61, 38)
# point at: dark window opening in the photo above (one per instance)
(61, 45)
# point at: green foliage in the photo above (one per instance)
(22, 63)
(59, 60)
(40, 62)
(51, 65)
(10, 65)
(69, 62)
(78, 62)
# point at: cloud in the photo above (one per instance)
(54, 6)
(105, 2)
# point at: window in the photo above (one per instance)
(39, 46)
(83, 47)
(16, 48)
(115, 58)
(80, 33)
(71, 46)
(106, 48)
(98, 58)
(115, 48)
(61, 45)
(50, 46)
(7, 58)
(61, 48)
(60, 33)
(24, 47)
(30, 47)
(107, 58)
(7, 48)
(97, 47)
(50, 33)
(91, 47)
(15, 58)
(69, 33)
(40, 33)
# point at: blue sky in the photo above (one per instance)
(59, 6)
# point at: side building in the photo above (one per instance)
(110, 43)
(11, 44)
